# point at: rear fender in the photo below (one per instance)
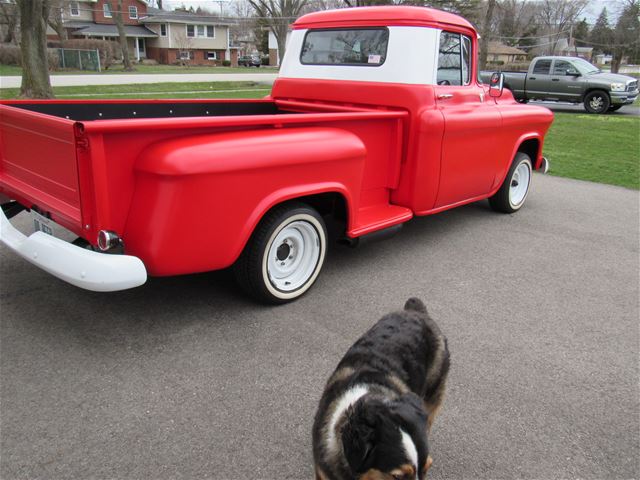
(198, 198)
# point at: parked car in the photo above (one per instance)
(571, 79)
(170, 187)
(249, 61)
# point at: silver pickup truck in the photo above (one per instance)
(570, 79)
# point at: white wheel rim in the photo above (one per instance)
(295, 253)
(519, 184)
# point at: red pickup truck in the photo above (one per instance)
(353, 132)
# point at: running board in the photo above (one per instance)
(379, 217)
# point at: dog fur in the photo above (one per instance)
(377, 408)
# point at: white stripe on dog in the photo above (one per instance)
(410, 449)
(350, 397)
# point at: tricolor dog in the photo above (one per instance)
(378, 406)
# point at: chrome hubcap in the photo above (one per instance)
(596, 103)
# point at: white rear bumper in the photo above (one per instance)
(83, 268)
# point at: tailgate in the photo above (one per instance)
(38, 164)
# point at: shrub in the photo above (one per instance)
(226, 63)
(9, 55)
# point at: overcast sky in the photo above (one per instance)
(224, 6)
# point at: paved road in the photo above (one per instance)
(113, 79)
(185, 378)
(632, 110)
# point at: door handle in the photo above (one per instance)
(532, 78)
(445, 96)
(555, 79)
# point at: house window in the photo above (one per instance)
(74, 9)
(201, 31)
(106, 10)
(163, 29)
(133, 12)
(185, 55)
(211, 55)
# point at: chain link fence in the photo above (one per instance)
(79, 59)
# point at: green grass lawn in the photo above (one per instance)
(12, 70)
(158, 90)
(598, 148)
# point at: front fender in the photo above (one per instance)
(197, 199)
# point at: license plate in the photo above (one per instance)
(48, 226)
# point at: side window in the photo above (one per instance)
(542, 67)
(454, 59)
(561, 67)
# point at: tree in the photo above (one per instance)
(601, 36)
(33, 49)
(581, 33)
(9, 16)
(627, 35)
(278, 14)
(558, 16)
(485, 33)
(55, 17)
(116, 14)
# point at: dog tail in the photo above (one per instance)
(416, 305)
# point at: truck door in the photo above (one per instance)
(538, 82)
(566, 81)
(470, 150)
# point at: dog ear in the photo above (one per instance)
(359, 436)
(416, 305)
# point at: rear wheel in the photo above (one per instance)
(514, 190)
(597, 102)
(284, 255)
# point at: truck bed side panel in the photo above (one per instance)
(38, 163)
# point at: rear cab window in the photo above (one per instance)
(454, 59)
(353, 47)
(542, 67)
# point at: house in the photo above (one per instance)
(201, 39)
(567, 48)
(167, 37)
(499, 52)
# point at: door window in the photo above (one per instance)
(562, 67)
(454, 59)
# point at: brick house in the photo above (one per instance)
(167, 37)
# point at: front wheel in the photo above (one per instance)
(284, 255)
(515, 188)
(597, 102)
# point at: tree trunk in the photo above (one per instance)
(33, 49)
(55, 22)
(122, 36)
(280, 32)
(484, 39)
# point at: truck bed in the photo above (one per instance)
(94, 165)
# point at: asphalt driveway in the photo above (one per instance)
(186, 378)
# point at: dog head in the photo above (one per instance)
(387, 440)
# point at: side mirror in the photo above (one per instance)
(573, 73)
(496, 84)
